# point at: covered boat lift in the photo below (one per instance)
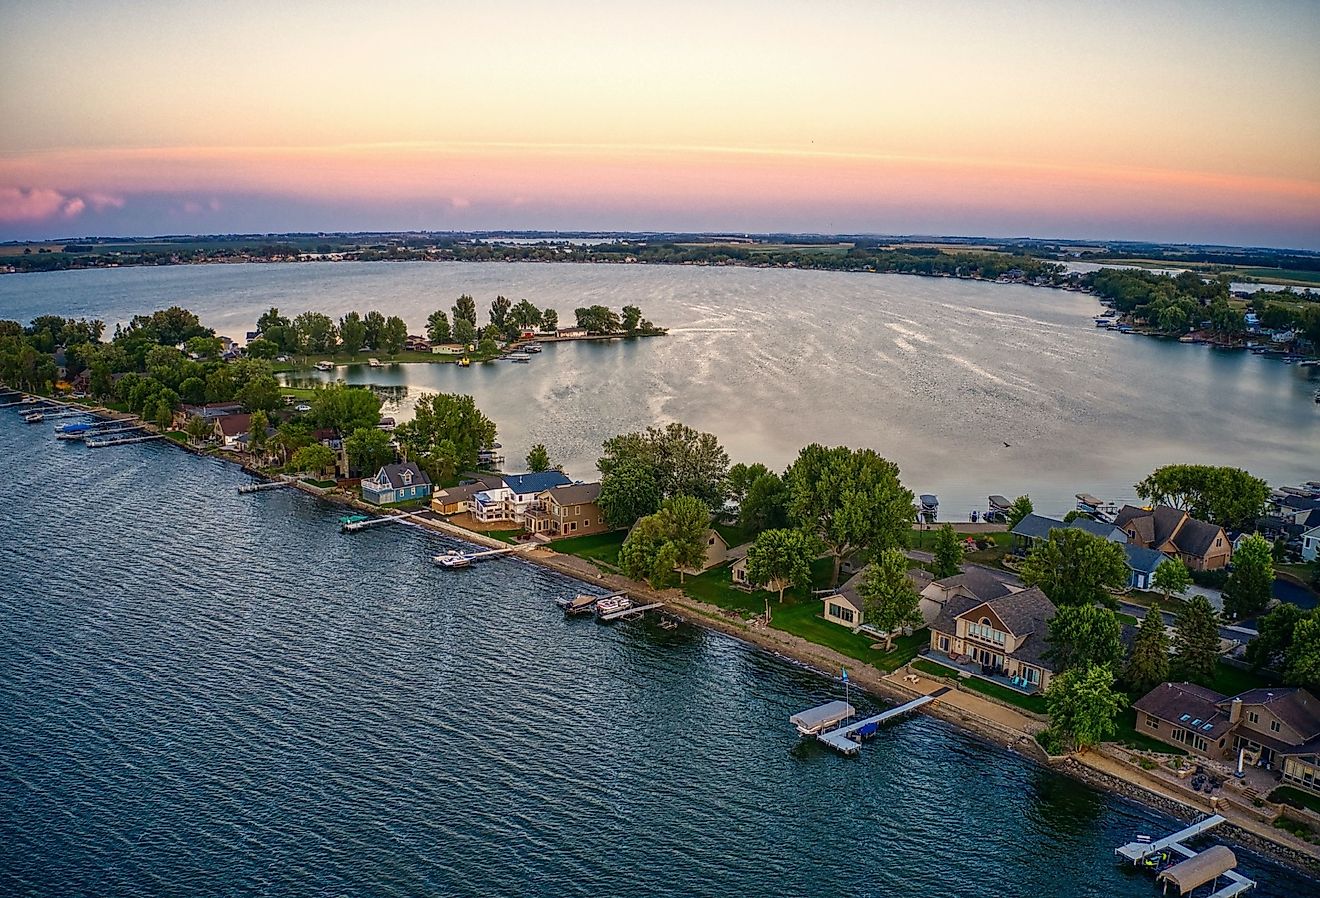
(814, 721)
(1200, 869)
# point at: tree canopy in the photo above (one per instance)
(850, 499)
(1084, 705)
(1019, 509)
(683, 461)
(948, 552)
(345, 409)
(1229, 497)
(538, 459)
(1148, 665)
(782, 557)
(369, 449)
(446, 434)
(1250, 584)
(889, 596)
(672, 538)
(1084, 635)
(1196, 641)
(629, 492)
(1073, 567)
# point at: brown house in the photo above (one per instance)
(1200, 545)
(567, 510)
(455, 499)
(1001, 639)
(1278, 729)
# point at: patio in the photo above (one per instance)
(979, 671)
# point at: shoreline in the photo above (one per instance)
(1086, 767)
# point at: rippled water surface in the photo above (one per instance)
(936, 374)
(210, 694)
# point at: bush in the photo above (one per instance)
(1210, 579)
(1050, 742)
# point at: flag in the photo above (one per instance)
(845, 674)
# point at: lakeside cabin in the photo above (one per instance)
(396, 483)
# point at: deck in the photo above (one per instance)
(847, 739)
(626, 612)
(1137, 852)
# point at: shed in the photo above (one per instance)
(1196, 871)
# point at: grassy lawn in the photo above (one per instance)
(1231, 680)
(1150, 599)
(602, 547)
(303, 363)
(1296, 797)
(1033, 703)
(1129, 735)
(177, 436)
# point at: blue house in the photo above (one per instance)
(396, 483)
(1142, 564)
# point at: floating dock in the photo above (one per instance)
(355, 526)
(265, 485)
(1197, 867)
(848, 739)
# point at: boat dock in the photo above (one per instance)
(93, 431)
(122, 440)
(1197, 868)
(848, 739)
(265, 485)
(632, 610)
(355, 526)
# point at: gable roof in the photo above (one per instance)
(1137, 520)
(978, 581)
(1188, 705)
(462, 493)
(574, 493)
(1037, 526)
(1295, 707)
(1197, 537)
(393, 474)
(233, 425)
(1166, 524)
(1028, 611)
(1143, 560)
(535, 482)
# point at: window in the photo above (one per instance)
(1274, 726)
(1031, 675)
(944, 643)
(1253, 717)
(1152, 723)
(842, 613)
(1219, 541)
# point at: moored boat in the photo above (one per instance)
(612, 604)
(374, 363)
(579, 604)
(452, 560)
(325, 366)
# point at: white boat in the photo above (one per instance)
(532, 348)
(374, 363)
(34, 418)
(611, 604)
(452, 560)
(325, 366)
(519, 357)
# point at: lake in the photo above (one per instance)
(203, 693)
(972, 388)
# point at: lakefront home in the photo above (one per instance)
(846, 607)
(396, 483)
(515, 496)
(1035, 528)
(717, 552)
(228, 428)
(1000, 639)
(738, 572)
(567, 510)
(1276, 728)
(1200, 545)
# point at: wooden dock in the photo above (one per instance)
(628, 612)
(1143, 852)
(264, 485)
(848, 739)
(122, 441)
(355, 526)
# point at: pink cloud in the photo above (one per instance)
(102, 201)
(17, 204)
(73, 207)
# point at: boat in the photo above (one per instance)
(1317, 395)
(453, 560)
(346, 520)
(374, 363)
(532, 348)
(930, 505)
(72, 427)
(998, 509)
(815, 721)
(1102, 322)
(464, 362)
(579, 604)
(612, 604)
(34, 417)
(519, 357)
(325, 366)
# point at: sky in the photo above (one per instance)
(1165, 121)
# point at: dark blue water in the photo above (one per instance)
(206, 693)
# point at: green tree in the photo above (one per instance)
(465, 309)
(1172, 577)
(1229, 497)
(1250, 585)
(198, 429)
(314, 459)
(683, 461)
(394, 335)
(345, 409)
(948, 553)
(499, 312)
(374, 322)
(315, 332)
(1304, 654)
(1196, 641)
(465, 331)
(1020, 508)
(525, 316)
(1084, 635)
(437, 327)
(369, 449)
(740, 479)
(352, 333)
(1084, 705)
(271, 318)
(597, 319)
(1149, 665)
(261, 393)
(446, 427)
(289, 438)
(629, 492)
(193, 390)
(686, 520)
(782, 558)
(647, 553)
(1073, 567)
(851, 499)
(888, 594)
(765, 507)
(550, 320)
(261, 348)
(538, 459)
(257, 427)
(1274, 636)
(632, 316)
(163, 416)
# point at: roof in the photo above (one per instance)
(487, 481)
(1299, 503)
(462, 493)
(212, 409)
(1187, 705)
(233, 425)
(1036, 526)
(1164, 524)
(393, 474)
(1143, 560)
(979, 581)
(1138, 520)
(536, 482)
(1022, 612)
(1295, 707)
(574, 493)
(1199, 869)
(822, 715)
(1197, 537)
(850, 591)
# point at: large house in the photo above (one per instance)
(974, 582)
(567, 510)
(1001, 639)
(396, 483)
(1275, 728)
(1200, 545)
(846, 608)
(1141, 561)
(228, 428)
(717, 552)
(515, 496)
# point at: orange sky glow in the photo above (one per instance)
(1177, 121)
